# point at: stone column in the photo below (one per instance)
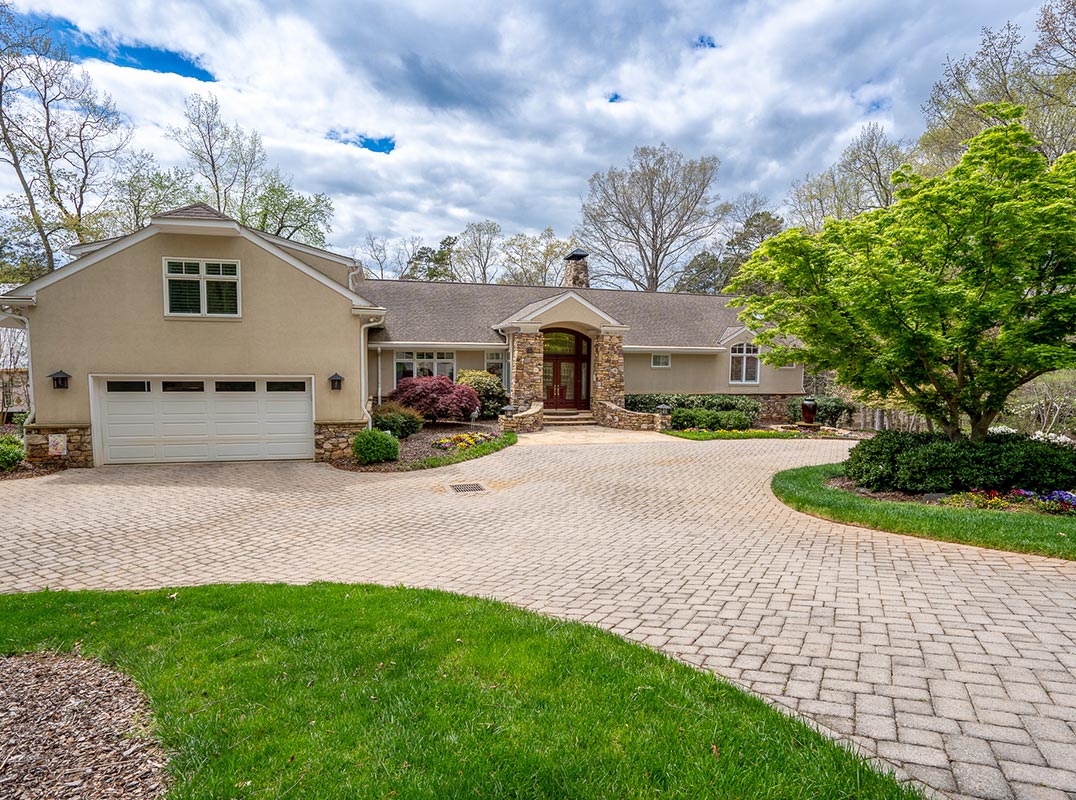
(607, 368)
(527, 358)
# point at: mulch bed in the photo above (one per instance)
(849, 485)
(72, 728)
(417, 447)
(25, 470)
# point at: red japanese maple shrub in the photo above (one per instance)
(436, 398)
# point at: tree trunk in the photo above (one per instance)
(980, 427)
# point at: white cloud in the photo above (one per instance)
(501, 111)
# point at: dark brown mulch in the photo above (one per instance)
(417, 447)
(849, 485)
(73, 728)
(25, 470)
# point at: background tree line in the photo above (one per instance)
(69, 150)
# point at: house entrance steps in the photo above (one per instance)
(568, 418)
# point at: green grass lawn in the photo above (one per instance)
(707, 436)
(336, 691)
(804, 489)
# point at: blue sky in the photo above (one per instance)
(419, 116)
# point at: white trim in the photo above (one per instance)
(651, 348)
(660, 366)
(553, 303)
(347, 261)
(414, 361)
(202, 277)
(441, 345)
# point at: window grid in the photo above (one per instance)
(201, 288)
(744, 366)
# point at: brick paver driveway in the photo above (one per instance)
(954, 663)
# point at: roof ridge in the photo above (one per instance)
(204, 211)
(547, 286)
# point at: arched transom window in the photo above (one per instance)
(744, 365)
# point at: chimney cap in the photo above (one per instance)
(576, 255)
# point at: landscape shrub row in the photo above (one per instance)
(703, 418)
(648, 403)
(925, 462)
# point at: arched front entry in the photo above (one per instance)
(566, 369)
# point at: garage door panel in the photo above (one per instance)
(143, 427)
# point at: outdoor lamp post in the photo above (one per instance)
(509, 410)
(664, 409)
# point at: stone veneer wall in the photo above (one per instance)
(775, 406)
(607, 369)
(611, 416)
(332, 441)
(531, 420)
(528, 356)
(79, 445)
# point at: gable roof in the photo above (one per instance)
(467, 312)
(533, 310)
(193, 219)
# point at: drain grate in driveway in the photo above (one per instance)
(466, 488)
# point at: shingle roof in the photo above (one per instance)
(195, 211)
(465, 312)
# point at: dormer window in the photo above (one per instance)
(201, 288)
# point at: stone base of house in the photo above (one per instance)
(69, 445)
(529, 421)
(333, 440)
(775, 406)
(612, 416)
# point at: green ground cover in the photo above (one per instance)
(347, 691)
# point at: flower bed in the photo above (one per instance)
(1057, 502)
(464, 441)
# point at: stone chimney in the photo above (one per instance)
(576, 271)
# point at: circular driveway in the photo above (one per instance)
(953, 663)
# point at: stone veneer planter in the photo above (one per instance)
(79, 441)
(609, 415)
(529, 421)
(333, 440)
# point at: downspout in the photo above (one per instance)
(30, 409)
(379, 376)
(363, 370)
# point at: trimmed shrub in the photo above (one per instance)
(488, 387)
(11, 454)
(399, 420)
(436, 397)
(374, 446)
(10, 438)
(831, 410)
(924, 462)
(683, 418)
(648, 403)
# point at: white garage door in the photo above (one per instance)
(152, 419)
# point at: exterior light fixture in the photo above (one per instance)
(664, 409)
(336, 381)
(59, 379)
(509, 410)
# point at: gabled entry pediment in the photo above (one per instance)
(568, 307)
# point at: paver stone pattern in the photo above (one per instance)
(955, 664)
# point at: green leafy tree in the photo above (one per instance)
(141, 188)
(534, 260)
(750, 223)
(282, 211)
(428, 264)
(950, 300)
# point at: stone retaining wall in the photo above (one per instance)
(775, 406)
(77, 438)
(333, 440)
(612, 416)
(529, 421)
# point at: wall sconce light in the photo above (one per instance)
(336, 381)
(59, 379)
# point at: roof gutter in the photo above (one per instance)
(363, 368)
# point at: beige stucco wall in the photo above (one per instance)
(571, 314)
(465, 359)
(704, 374)
(109, 319)
(326, 266)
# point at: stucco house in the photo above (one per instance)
(199, 339)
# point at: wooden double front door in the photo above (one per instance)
(566, 370)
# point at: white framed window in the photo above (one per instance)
(788, 366)
(201, 288)
(744, 364)
(660, 360)
(425, 364)
(495, 364)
